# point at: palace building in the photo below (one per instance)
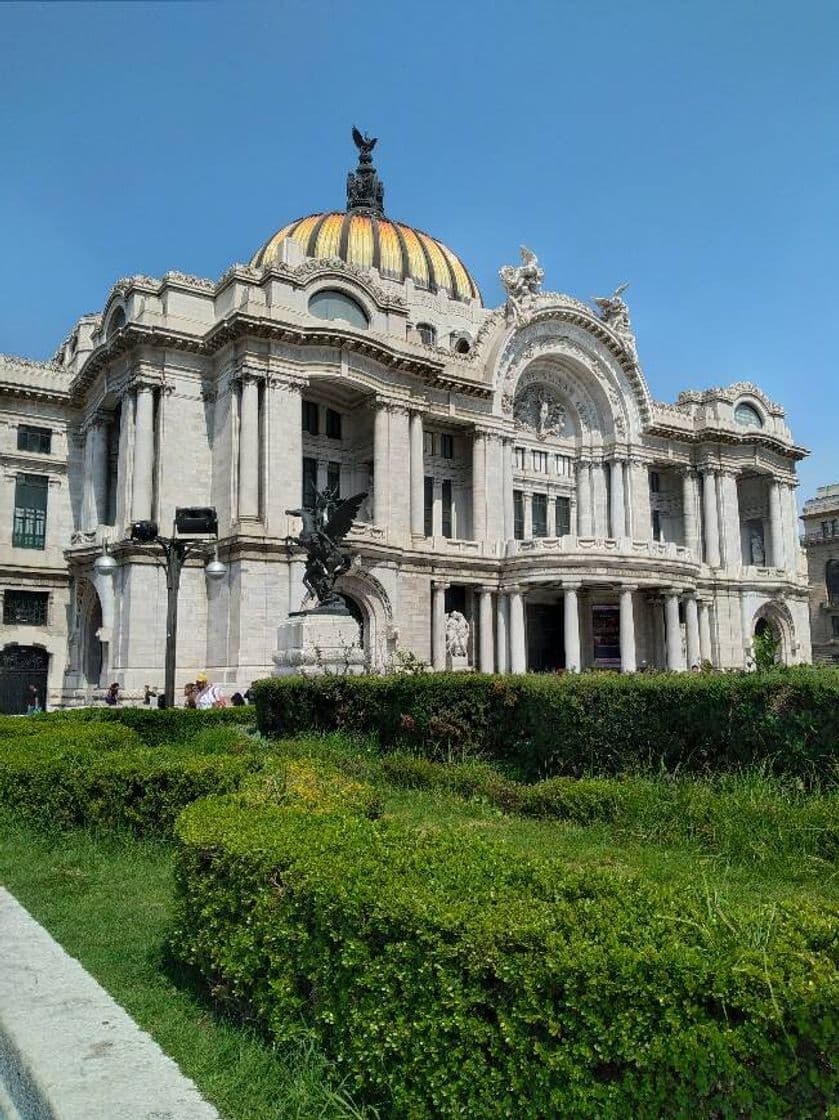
(821, 542)
(517, 470)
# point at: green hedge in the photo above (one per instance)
(786, 721)
(154, 725)
(448, 977)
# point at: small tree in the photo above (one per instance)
(765, 646)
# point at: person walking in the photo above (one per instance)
(209, 695)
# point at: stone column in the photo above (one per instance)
(694, 654)
(617, 513)
(793, 537)
(705, 652)
(486, 661)
(249, 450)
(627, 633)
(528, 516)
(417, 476)
(143, 454)
(729, 510)
(709, 510)
(689, 512)
(518, 648)
(438, 624)
(642, 523)
(673, 631)
(585, 521)
(381, 496)
(283, 453)
(502, 652)
(437, 507)
(95, 494)
(551, 515)
(479, 498)
(571, 626)
(125, 460)
(601, 509)
(507, 465)
(776, 525)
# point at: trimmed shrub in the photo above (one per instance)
(785, 721)
(154, 726)
(448, 976)
(141, 789)
(310, 785)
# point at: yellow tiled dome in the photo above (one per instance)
(370, 241)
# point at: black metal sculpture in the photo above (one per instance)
(324, 527)
(365, 190)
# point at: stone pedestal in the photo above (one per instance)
(457, 663)
(311, 643)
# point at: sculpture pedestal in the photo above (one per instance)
(457, 663)
(310, 643)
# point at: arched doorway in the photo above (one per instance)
(21, 668)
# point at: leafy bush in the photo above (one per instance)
(786, 721)
(450, 977)
(153, 725)
(311, 785)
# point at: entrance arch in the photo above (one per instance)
(21, 668)
(776, 616)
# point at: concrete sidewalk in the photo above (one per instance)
(67, 1050)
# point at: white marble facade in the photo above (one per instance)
(518, 471)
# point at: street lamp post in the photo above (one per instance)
(198, 529)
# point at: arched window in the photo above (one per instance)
(332, 304)
(427, 334)
(462, 346)
(748, 416)
(831, 579)
(116, 321)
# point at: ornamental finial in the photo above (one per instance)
(365, 190)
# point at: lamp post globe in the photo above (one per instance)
(215, 569)
(105, 564)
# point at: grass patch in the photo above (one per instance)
(108, 901)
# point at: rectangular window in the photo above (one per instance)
(563, 517)
(310, 418)
(25, 608)
(655, 482)
(428, 506)
(447, 507)
(428, 443)
(333, 424)
(30, 524)
(540, 515)
(656, 525)
(34, 439)
(518, 458)
(834, 622)
(333, 480)
(540, 462)
(310, 482)
(446, 446)
(518, 515)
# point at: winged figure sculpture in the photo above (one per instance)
(365, 144)
(325, 525)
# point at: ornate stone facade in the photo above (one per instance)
(821, 542)
(519, 473)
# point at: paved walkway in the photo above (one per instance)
(67, 1050)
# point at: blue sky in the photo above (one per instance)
(691, 148)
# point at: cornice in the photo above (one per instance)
(723, 435)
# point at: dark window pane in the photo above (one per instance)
(447, 446)
(656, 525)
(518, 515)
(310, 482)
(835, 622)
(331, 304)
(427, 333)
(310, 418)
(428, 526)
(25, 608)
(30, 521)
(34, 439)
(333, 424)
(831, 578)
(333, 479)
(563, 516)
(540, 515)
(447, 507)
(655, 482)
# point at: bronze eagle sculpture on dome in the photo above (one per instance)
(364, 143)
(325, 525)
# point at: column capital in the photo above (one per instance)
(687, 470)
(672, 592)
(571, 585)
(391, 404)
(486, 589)
(631, 587)
(689, 592)
(440, 584)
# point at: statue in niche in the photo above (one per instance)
(615, 314)
(457, 634)
(757, 548)
(521, 283)
(539, 411)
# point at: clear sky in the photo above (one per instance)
(691, 148)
